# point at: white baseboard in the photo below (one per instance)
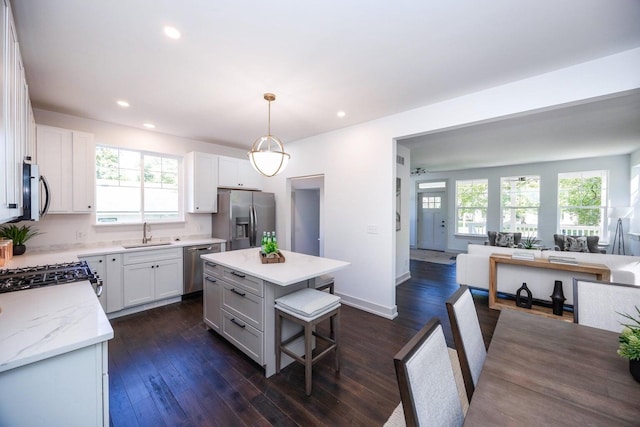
(377, 309)
(403, 278)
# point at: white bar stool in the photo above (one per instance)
(307, 307)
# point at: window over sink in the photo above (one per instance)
(137, 186)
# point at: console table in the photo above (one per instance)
(601, 272)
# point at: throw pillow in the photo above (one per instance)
(504, 239)
(575, 244)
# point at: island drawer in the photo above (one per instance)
(250, 283)
(213, 269)
(245, 305)
(244, 336)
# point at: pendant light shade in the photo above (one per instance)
(267, 154)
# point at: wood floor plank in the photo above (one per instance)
(167, 368)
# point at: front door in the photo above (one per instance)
(432, 227)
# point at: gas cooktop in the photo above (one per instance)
(45, 275)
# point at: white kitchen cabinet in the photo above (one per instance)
(202, 182)
(71, 389)
(151, 275)
(237, 173)
(109, 268)
(15, 112)
(67, 160)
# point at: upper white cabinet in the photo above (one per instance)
(67, 160)
(237, 173)
(15, 116)
(202, 182)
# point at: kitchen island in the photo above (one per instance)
(240, 293)
(53, 357)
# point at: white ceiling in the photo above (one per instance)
(370, 59)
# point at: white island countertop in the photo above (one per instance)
(296, 268)
(37, 324)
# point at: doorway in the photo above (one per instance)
(306, 215)
(432, 226)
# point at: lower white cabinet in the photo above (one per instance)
(109, 268)
(151, 275)
(71, 389)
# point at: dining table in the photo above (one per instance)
(541, 371)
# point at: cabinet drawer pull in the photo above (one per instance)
(209, 279)
(237, 292)
(234, 321)
(210, 264)
(238, 274)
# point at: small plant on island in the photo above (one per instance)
(630, 338)
(270, 248)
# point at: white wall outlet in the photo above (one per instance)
(372, 229)
(80, 235)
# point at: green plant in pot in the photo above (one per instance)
(19, 235)
(630, 343)
(528, 242)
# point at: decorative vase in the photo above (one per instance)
(19, 249)
(524, 301)
(557, 298)
(634, 368)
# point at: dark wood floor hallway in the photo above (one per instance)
(166, 369)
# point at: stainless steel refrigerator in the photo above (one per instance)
(242, 217)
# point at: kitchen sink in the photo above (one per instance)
(146, 245)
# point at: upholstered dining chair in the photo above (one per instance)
(598, 304)
(426, 380)
(467, 336)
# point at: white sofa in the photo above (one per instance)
(472, 269)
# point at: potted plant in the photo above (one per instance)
(630, 344)
(19, 235)
(529, 242)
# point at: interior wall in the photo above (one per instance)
(619, 191)
(61, 231)
(403, 173)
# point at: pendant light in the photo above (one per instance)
(267, 153)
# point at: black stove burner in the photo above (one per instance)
(44, 275)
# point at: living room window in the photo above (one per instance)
(135, 186)
(520, 202)
(471, 206)
(582, 203)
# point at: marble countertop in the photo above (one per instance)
(296, 268)
(31, 259)
(40, 323)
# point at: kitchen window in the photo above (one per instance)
(582, 203)
(471, 206)
(136, 186)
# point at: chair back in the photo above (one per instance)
(426, 380)
(467, 336)
(597, 303)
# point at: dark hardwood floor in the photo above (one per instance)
(167, 369)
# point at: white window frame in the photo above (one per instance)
(145, 216)
(515, 195)
(479, 228)
(578, 230)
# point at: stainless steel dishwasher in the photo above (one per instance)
(193, 265)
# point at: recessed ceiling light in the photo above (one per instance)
(341, 114)
(149, 125)
(171, 32)
(123, 103)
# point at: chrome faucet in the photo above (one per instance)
(146, 228)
